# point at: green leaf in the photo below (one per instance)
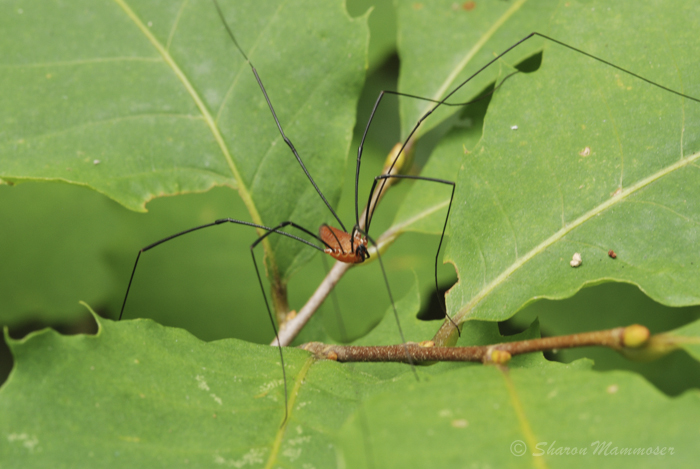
(142, 394)
(152, 99)
(382, 24)
(484, 416)
(139, 394)
(519, 193)
(599, 161)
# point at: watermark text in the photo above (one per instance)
(596, 448)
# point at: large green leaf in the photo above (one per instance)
(576, 157)
(150, 99)
(139, 394)
(114, 397)
(556, 416)
(599, 161)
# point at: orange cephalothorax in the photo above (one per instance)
(342, 246)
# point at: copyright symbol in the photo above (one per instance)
(518, 448)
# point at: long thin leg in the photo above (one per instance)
(444, 226)
(274, 328)
(267, 304)
(294, 225)
(393, 304)
(336, 306)
(274, 115)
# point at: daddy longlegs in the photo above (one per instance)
(352, 246)
(343, 245)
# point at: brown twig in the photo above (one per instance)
(622, 337)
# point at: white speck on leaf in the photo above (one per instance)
(202, 384)
(292, 453)
(459, 423)
(267, 387)
(576, 260)
(29, 442)
(254, 456)
(299, 440)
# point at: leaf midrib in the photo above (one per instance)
(210, 122)
(525, 427)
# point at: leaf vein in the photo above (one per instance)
(176, 23)
(290, 407)
(67, 63)
(113, 120)
(622, 195)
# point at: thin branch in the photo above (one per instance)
(290, 329)
(634, 336)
